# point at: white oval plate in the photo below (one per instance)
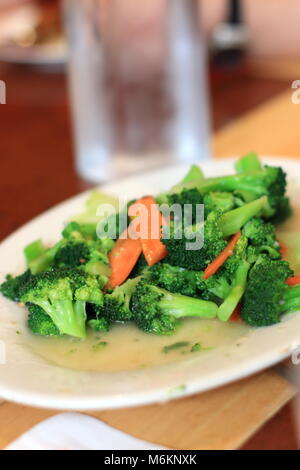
(29, 379)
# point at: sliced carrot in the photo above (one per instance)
(153, 249)
(293, 281)
(122, 258)
(222, 257)
(283, 249)
(236, 314)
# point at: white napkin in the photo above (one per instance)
(75, 431)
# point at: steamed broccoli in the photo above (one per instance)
(269, 181)
(187, 199)
(116, 305)
(177, 238)
(99, 323)
(218, 200)
(262, 239)
(11, 287)
(63, 295)
(216, 228)
(249, 162)
(175, 279)
(40, 323)
(267, 296)
(76, 250)
(158, 311)
(190, 180)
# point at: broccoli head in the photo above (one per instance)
(40, 323)
(116, 305)
(218, 200)
(262, 239)
(266, 288)
(269, 181)
(176, 240)
(175, 279)
(63, 295)
(11, 287)
(158, 311)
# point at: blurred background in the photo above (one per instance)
(248, 50)
(98, 89)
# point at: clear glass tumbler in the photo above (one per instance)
(137, 75)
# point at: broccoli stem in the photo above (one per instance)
(238, 288)
(41, 263)
(33, 250)
(68, 316)
(179, 306)
(249, 162)
(231, 222)
(291, 299)
(252, 182)
(194, 174)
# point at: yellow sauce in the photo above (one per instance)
(129, 348)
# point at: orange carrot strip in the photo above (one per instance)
(122, 258)
(236, 314)
(153, 249)
(283, 249)
(293, 281)
(222, 257)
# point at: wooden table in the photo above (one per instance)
(37, 171)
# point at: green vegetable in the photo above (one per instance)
(218, 200)
(266, 296)
(174, 346)
(99, 346)
(175, 279)
(262, 239)
(11, 287)
(63, 295)
(40, 323)
(157, 311)
(196, 347)
(216, 227)
(249, 162)
(116, 305)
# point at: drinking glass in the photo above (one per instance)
(137, 76)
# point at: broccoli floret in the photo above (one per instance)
(218, 200)
(75, 251)
(72, 254)
(217, 287)
(262, 238)
(191, 179)
(116, 305)
(11, 287)
(216, 228)
(175, 279)
(158, 311)
(40, 323)
(63, 295)
(269, 181)
(99, 323)
(263, 300)
(187, 199)
(176, 240)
